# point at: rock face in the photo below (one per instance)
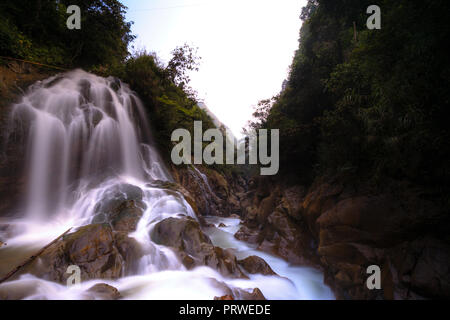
(103, 291)
(15, 77)
(236, 293)
(256, 265)
(193, 247)
(240, 294)
(213, 192)
(256, 294)
(343, 230)
(269, 224)
(96, 249)
(122, 208)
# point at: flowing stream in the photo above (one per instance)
(88, 137)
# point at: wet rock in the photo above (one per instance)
(204, 200)
(266, 207)
(4, 228)
(423, 265)
(179, 189)
(214, 193)
(287, 239)
(92, 248)
(256, 265)
(115, 83)
(220, 184)
(248, 235)
(181, 233)
(256, 294)
(15, 78)
(236, 293)
(194, 247)
(344, 228)
(130, 250)
(291, 201)
(103, 291)
(126, 217)
(222, 225)
(319, 200)
(116, 195)
(264, 187)
(122, 208)
(225, 297)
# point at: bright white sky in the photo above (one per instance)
(246, 47)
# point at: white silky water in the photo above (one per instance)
(88, 136)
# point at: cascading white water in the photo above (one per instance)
(88, 136)
(82, 127)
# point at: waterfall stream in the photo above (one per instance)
(87, 138)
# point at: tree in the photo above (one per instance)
(184, 60)
(36, 30)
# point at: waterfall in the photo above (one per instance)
(87, 140)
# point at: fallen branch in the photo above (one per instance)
(36, 63)
(31, 259)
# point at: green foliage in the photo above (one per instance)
(184, 60)
(374, 107)
(36, 30)
(169, 106)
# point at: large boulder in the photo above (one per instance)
(193, 247)
(343, 228)
(255, 294)
(283, 236)
(93, 248)
(176, 190)
(205, 200)
(236, 293)
(103, 291)
(214, 193)
(318, 201)
(423, 267)
(122, 207)
(291, 201)
(249, 235)
(256, 265)
(130, 250)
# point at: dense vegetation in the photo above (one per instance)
(165, 91)
(36, 30)
(374, 107)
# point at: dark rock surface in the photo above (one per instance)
(194, 247)
(96, 249)
(15, 77)
(218, 195)
(103, 291)
(256, 265)
(122, 208)
(343, 229)
(236, 293)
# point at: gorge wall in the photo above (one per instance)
(344, 228)
(337, 225)
(15, 77)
